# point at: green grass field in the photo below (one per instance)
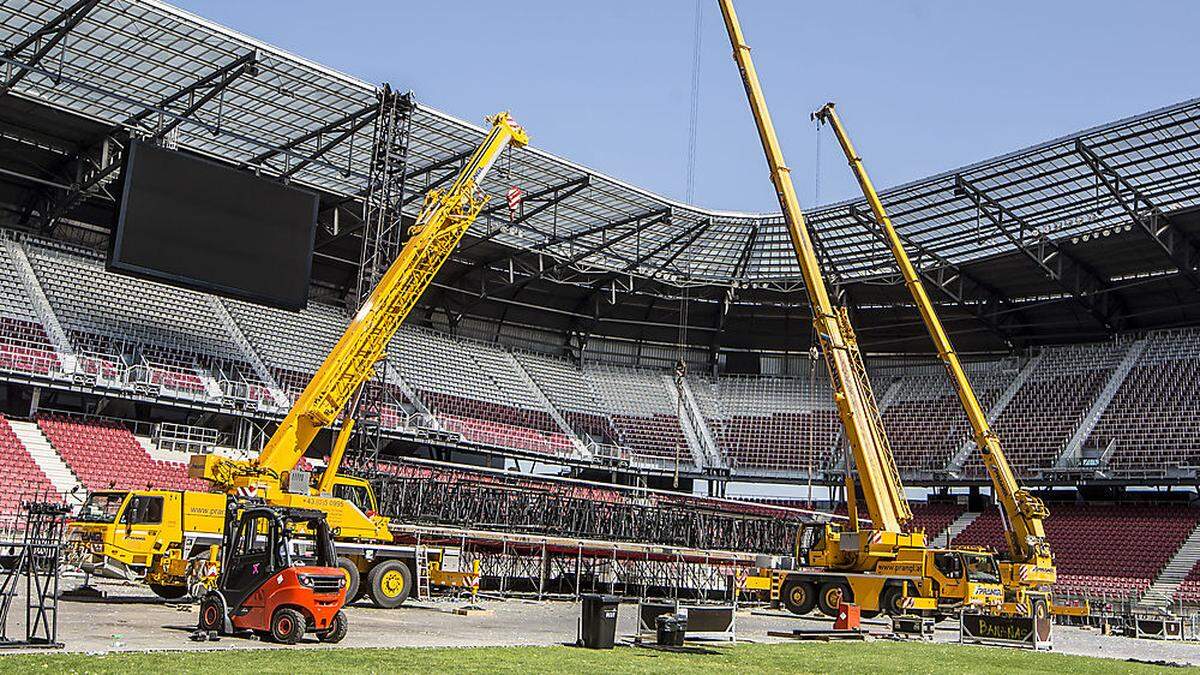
(785, 658)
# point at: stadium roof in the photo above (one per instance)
(146, 66)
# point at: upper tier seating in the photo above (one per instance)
(643, 412)
(925, 421)
(478, 391)
(1153, 422)
(569, 390)
(779, 423)
(24, 346)
(1112, 551)
(1036, 425)
(104, 454)
(20, 476)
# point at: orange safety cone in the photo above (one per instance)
(847, 617)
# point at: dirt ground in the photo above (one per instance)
(132, 619)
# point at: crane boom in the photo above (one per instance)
(859, 414)
(1023, 512)
(443, 220)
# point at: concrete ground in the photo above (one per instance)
(132, 619)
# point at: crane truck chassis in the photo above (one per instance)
(169, 539)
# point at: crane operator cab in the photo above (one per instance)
(279, 577)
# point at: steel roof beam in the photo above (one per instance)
(1067, 271)
(691, 235)
(357, 120)
(1174, 245)
(544, 199)
(989, 306)
(57, 29)
(517, 284)
(103, 172)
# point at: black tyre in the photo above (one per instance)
(389, 584)
(353, 578)
(335, 634)
(212, 615)
(799, 596)
(831, 594)
(1039, 608)
(891, 600)
(169, 592)
(287, 626)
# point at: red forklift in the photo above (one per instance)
(279, 577)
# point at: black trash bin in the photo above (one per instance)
(599, 629)
(670, 629)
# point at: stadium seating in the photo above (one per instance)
(924, 419)
(20, 476)
(1103, 551)
(781, 423)
(1153, 422)
(1036, 425)
(104, 454)
(24, 346)
(1189, 591)
(570, 391)
(642, 411)
(934, 518)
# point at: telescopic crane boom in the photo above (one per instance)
(444, 219)
(876, 468)
(1031, 563)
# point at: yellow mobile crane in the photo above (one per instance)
(1029, 569)
(158, 535)
(881, 567)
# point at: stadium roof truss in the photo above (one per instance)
(154, 70)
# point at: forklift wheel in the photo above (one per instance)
(210, 615)
(389, 583)
(287, 626)
(353, 578)
(338, 631)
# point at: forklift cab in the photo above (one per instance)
(278, 576)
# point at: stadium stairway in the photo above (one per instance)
(519, 369)
(968, 448)
(65, 482)
(1160, 593)
(1074, 446)
(954, 529)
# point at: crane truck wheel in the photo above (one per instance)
(389, 583)
(1038, 608)
(799, 596)
(353, 578)
(890, 601)
(169, 592)
(287, 626)
(831, 594)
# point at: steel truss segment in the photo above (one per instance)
(1067, 271)
(56, 28)
(983, 302)
(1177, 247)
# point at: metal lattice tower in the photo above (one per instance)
(383, 237)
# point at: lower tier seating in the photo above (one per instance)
(1112, 551)
(20, 476)
(105, 454)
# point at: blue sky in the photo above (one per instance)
(922, 86)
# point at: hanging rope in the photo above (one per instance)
(817, 169)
